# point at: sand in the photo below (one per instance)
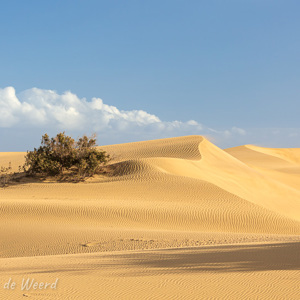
(179, 218)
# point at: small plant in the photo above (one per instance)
(62, 155)
(5, 175)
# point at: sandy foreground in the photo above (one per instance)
(179, 219)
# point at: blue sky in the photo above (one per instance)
(226, 69)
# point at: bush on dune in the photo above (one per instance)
(62, 155)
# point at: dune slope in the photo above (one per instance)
(162, 194)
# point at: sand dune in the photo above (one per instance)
(180, 193)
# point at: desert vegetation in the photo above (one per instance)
(5, 175)
(60, 157)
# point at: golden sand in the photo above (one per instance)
(180, 219)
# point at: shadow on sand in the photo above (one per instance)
(231, 258)
(212, 259)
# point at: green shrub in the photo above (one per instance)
(63, 155)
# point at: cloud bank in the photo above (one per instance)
(25, 116)
(37, 110)
(46, 108)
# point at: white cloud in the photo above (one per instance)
(36, 107)
(45, 110)
(239, 131)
